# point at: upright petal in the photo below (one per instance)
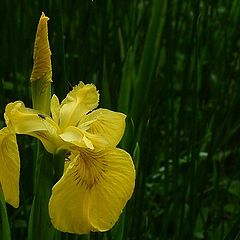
(10, 167)
(22, 120)
(93, 191)
(81, 100)
(105, 123)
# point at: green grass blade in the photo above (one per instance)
(149, 57)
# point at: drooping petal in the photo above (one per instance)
(103, 122)
(22, 120)
(10, 167)
(81, 100)
(68, 194)
(81, 138)
(93, 191)
(110, 196)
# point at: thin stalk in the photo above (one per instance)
(5, 231)
(39, 223)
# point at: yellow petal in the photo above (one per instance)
(75, 136)
(110, 196)
(81, 138)
(81, 100)
(105, 123)
(10, 167)
(22, 120)
(42, 55)
(93, 191)
(73, 198)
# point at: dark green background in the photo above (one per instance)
(174, 68)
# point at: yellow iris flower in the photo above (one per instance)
(98, 178)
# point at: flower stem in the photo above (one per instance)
(39, 223)
(5, 231)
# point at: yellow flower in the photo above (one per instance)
(98, 178)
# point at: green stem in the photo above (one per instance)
(5, 232)
(39, 222)
(48, 171)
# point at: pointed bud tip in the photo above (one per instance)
(43, 16)
(42, 67)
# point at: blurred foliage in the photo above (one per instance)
(173, 67)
